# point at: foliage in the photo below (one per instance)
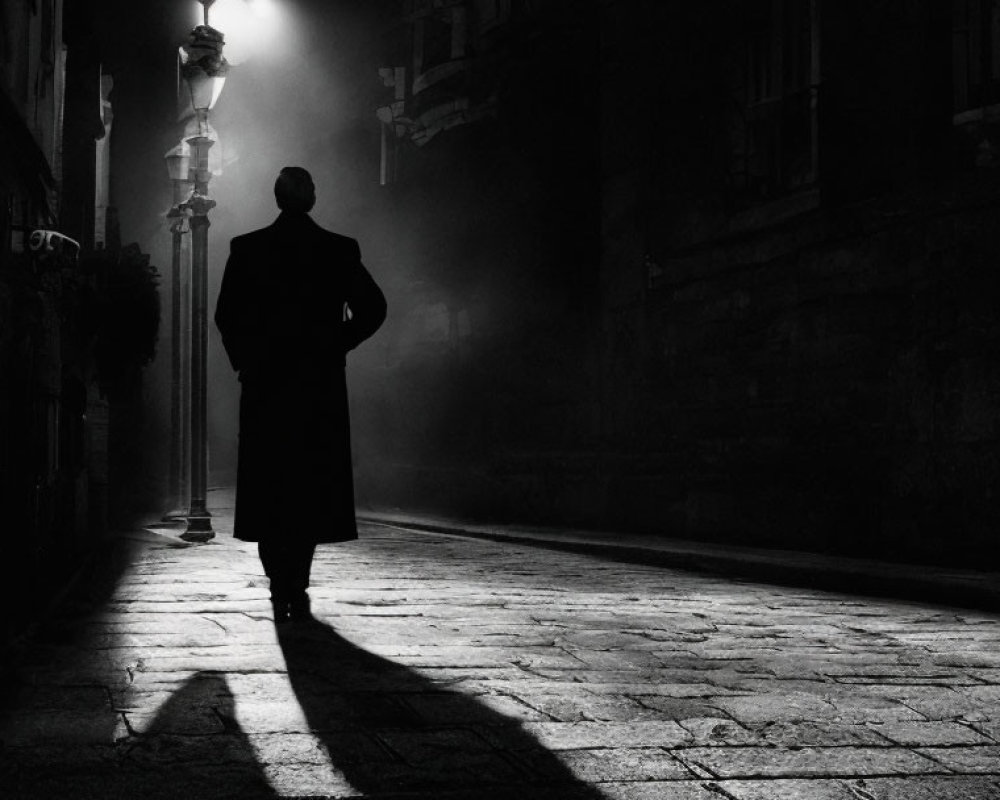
(129, 314)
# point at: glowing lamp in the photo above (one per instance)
(203, 67)
(253, 27)
(179, 169)
(203, 88)
(178, 162)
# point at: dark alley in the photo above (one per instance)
(500, 399)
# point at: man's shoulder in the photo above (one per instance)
(248, 239)
(337, 239)
(265, 240)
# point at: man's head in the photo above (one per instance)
(294, 190)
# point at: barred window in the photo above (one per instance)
(775, 138)
(437, 41)
(975, 48)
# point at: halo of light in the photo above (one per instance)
(263, 9)
(246, 24)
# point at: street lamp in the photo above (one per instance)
(203, 68)
(178, 168)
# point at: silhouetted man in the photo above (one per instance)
(295, 299)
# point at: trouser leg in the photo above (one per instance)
(299, 605)
(300, 565)
(274, 559)
(287, 566)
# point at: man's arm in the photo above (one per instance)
(231, 308)
(365, 302)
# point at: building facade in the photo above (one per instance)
(488, 150)
(56, 259)
(784, 332)
(798, 274)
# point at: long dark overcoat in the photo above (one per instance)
(295, 299)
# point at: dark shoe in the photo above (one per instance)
(300, 609)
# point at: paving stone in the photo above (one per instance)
(943, 703)
(581, 735)
(754, 762)
(600, 659)
(659, 790)
(216, 746)
(621, 763)
(351, 746)
(966, 659)
(190, 721)
(742, 684)
(450, 668)
(528, 658)
(989, 729)
(870, 708)
(47, 697)
(971, 759)
(991, 676)
(307, 780)
(678, 709)
(774, 707)
(449, 758)
(950, 787)
(638, 690)
(153, 662)
(916, 734)
(34, 756)
(97, 782)
(989, 696)
(588, 707)
(818, 734)
(446, 708)
(718, 731)
(784, 789)
(22, 729)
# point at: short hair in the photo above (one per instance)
(294, 190)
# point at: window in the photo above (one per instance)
(437, 42)
(975, 62)
(775, 140)
(439, 37)
(487, 11)
(490, 13)
(48, 33)
(6, 223)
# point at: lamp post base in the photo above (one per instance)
(199, 528)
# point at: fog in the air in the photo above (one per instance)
(300, 97)
(303, 90)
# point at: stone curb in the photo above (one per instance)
(957, 587)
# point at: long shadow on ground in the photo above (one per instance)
(192, 749)
(364, 708)
(62, 736)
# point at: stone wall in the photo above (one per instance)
(832, 387)
(54, 445)
(478, 393)
(812, 369)
(805, 359)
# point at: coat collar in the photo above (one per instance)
(293, 219)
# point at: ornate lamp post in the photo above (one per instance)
(178, 167)
(203, 69)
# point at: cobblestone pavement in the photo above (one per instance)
(444, 667)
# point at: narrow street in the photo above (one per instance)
(446, 667)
